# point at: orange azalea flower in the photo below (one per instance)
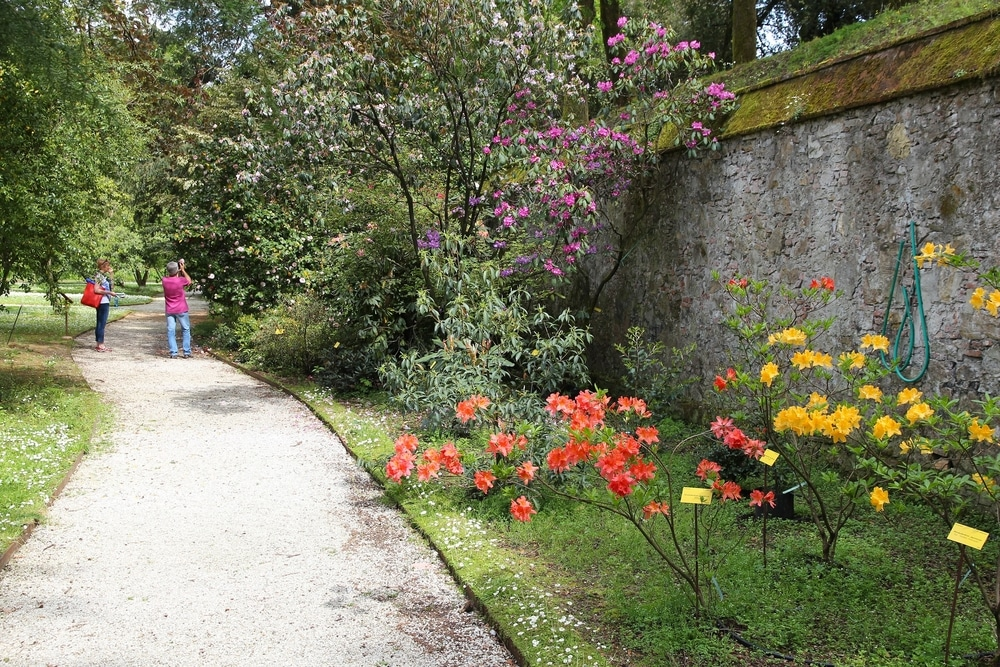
(521, 509)
(758, 498)
(427, 471)
(581, 420)
(612, 463)
(526, 471)
(501, 443)
(655, 508)
(484, 480)
(465, 411)
(400, 466)
(720, 383)
(629, 445)
(730, 491)
(647, 434)
(707, 469)
(637, 405)
(558, 460)
(406, 443)
(577, 451)
(643, 471)
(621, 484)
(559, 404)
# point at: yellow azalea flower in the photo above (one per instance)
(925, 448)
(993, 305)
(980, 432)
(909, 395)
(823, 359)
(870, 393)
(875, 341)
(926, 253)
(885, 427)
(768, 373)
(978, 299)
(794, 418)
(816, 402)
(852, 359)
(790, 336)
(842, 422)
(879, 498)
(984, 482)
(279, 331)
(802, 360)
(904, 446)
(919, 411)
(846, 418)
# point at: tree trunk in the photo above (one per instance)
(744, 31)
(611, 11)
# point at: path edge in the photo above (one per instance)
(470, 595)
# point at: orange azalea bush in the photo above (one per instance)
(594, 450)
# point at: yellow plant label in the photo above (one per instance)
(693, 495)
(769, 457)
(970, 537)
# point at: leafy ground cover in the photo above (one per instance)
(886, 600)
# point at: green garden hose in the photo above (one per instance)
(900, 362)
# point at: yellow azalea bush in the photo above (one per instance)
(851, 431)
(799, 397)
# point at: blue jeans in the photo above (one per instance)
(102, 321)
(185, 322)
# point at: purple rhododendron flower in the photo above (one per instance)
(433, 241)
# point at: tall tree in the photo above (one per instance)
(744, 31)
(66, 136)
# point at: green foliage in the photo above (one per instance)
(659, 376)
(491, 339)
(291, 338)
(69, 139)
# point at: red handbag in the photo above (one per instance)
(90, 297)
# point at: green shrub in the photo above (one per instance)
(491, 338)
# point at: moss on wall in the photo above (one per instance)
(963, 50)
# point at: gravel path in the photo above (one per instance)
(225, 525)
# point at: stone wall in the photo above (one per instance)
(829, 196)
